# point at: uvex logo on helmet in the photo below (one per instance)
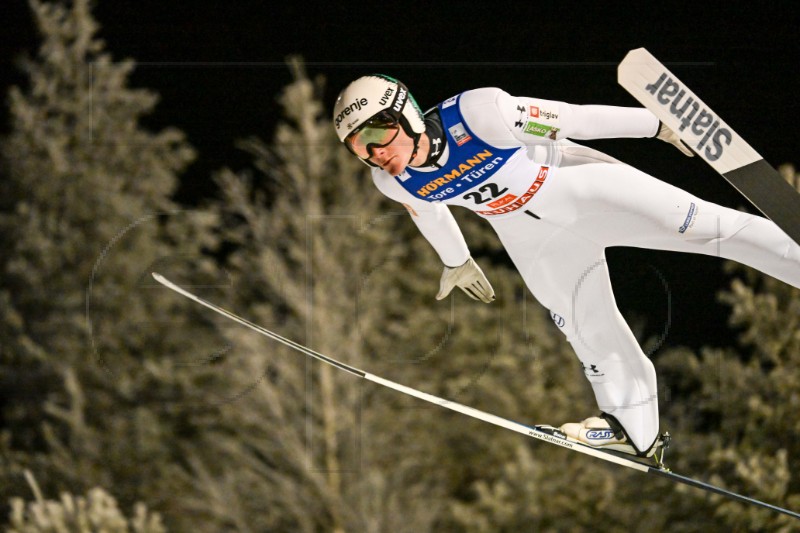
(401, 99)
(357, 104)
(385, 98)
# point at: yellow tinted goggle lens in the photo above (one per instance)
(372, 136)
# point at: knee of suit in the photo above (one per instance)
(764, 236)
(600, 337)
(709, 222)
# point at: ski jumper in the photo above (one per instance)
(556, 206)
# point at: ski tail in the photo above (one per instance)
(669, 99)
(660, 91)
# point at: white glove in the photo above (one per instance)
(669, 136)
(469, 278)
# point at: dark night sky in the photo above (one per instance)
(219, 65)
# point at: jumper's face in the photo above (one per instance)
(383, 142)
(394, 156)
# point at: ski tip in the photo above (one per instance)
(634, 59)
(164, 281)
(640, 52)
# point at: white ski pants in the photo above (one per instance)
(589, 206)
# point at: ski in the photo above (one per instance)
(660, 91)
(544, 433)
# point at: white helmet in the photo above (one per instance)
(371, 95)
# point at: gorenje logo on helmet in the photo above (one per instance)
(352, 108)
(401, 99)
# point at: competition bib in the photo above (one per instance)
(470, 163)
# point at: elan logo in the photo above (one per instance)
(690, 216)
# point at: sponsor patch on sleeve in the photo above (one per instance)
(540, 130)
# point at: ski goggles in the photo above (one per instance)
(377, 132)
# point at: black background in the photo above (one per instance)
(219, 66)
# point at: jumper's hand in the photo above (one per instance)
(469, 278)
(669, 136)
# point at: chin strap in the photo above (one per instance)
(417, 137)
(436, 139)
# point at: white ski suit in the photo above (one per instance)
(556, 206)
